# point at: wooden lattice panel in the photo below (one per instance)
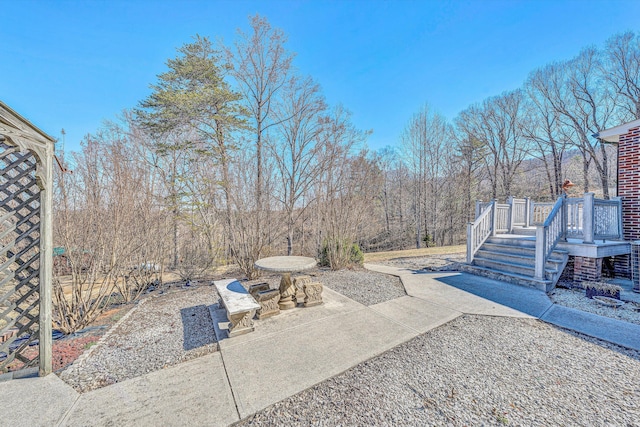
(19, 259)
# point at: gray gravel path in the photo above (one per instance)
(429, 263)
(363, 286)
(163, 331)
(477, 371)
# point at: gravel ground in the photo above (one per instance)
(477, 371)
(430, 263)
(575, 298)
(363, 286)
(161, 331)
(170, 328)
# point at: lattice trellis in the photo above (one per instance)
(19, 259)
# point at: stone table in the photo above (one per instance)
(286, 265)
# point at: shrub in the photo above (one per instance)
(602, 289)
(340, 253)
(428, 241)
(357, 257)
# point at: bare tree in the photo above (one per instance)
(583, 104)
(110, 229)
(496, 124)
(622, 71)
(423, 143)
(260, 64)
(297, 147)
(469, 155)
(541, 126)
(343, 189)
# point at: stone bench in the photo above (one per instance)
(267, 298)
(240, 306)
(307, 292)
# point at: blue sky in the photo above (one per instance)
(73, 64)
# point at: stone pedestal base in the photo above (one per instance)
(267, 298)
(240, 323)
(259, 287)
(300, 282)
(313, 292)
(268, 301)
(287, 291)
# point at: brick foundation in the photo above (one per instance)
(622, 266)
(566, 277)
(587, 269)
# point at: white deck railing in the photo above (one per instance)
(479, 230)
(547, 237)
(519, 212)
(607, 219)
(584, 218)
(502, 217)
(574, 214)
(539, 212)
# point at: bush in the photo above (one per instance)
(602, 289)
(428, 241)
(340, 253)
(357, 257)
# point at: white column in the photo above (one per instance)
(46, 259)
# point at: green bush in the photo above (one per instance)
(340, 253)
(428, 241)
(357, 257)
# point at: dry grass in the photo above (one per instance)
(408, 253)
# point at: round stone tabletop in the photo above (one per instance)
(286, 264)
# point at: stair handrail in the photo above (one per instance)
(547, 237)
(479, 230)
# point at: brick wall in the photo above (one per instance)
(629, 182)
(587, 269)
(566, 277)
(622, 266)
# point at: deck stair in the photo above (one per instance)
(511, 258)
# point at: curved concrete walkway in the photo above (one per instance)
(457, 290)
(289, 353)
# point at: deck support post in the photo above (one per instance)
(587, 218)
(620, 230)
(469, 242)
(511, 214)
(494, 218)
(540, 249)
(478, 209)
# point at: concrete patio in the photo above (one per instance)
(290, 353)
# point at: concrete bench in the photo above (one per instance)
(240, 306)
(267, 298)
